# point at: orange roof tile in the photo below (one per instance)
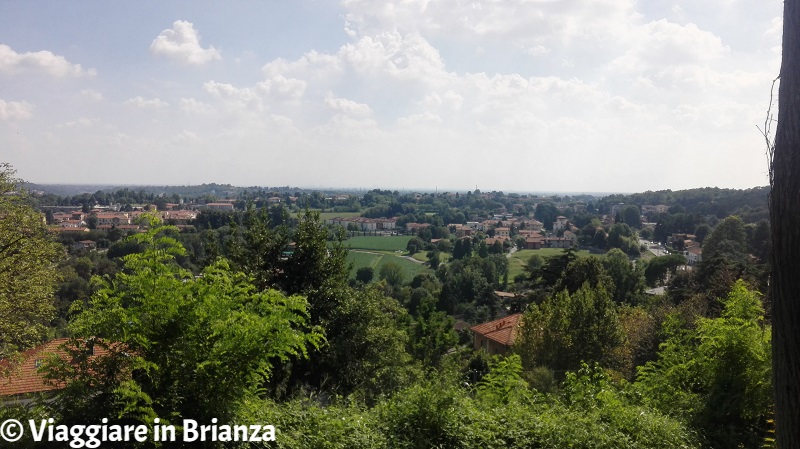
(502, 330)
(24, 377)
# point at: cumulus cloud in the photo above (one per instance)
(15, 110)
(348, 107)
(141, 102)
(92, 95)
(83, 122)
(39, 61)
(181, 43)
(194, 106)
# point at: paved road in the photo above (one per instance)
(654, 248)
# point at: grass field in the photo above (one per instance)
(378, 243)
(519, 259)
(376, 261)
(328, 215)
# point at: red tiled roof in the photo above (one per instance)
(502, 331)
(24, 377)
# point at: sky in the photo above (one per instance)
(511, 95)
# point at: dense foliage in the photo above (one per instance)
(255, 316)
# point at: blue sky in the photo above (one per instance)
(513, 95)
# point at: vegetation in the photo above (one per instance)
(269, 314)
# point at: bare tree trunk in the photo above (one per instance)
(785, 217)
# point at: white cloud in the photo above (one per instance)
(404, 57)
(522, 22)
(193, 106)
(141, 102)
(39, 61)
(181, 43)
(83, 122)
(348, 107)
(15, 110)
(92, 95)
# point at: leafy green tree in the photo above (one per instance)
(431, 334)
(504, 384)
(365, 275)
(727, 241)
(546, 213)
(366, 349)
(657, 268)
(628, 279)
(415, 245)
(462, 249)
(28, 274)
(567, 329)
(392, 273)
(176, 346)
(632, 216)
(583, 271)
(718, 375)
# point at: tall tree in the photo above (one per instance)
(784, 215)
(175, 346)
(27, 268)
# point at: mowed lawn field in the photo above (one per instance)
(379, 243)
(328, 215)
(376, 261)
(519, 259)
(376, 251)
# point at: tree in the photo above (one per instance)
(175, 346)
(628, 279)
(727, 241)
(567, 329)
(414, 245)
(28, 273)
(717, 376)
(365, 275)
(462, 248)
(632, 216)
(657, 268)
(392, 273)
(546, 213)
(431, 333)
(784, 216)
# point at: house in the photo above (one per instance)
(496, 337)
(694, 255)
(534, 241)
(20, 381)
(464, 232)
(492, 240)
(557, 242)
(502, 232)
(560, 224)
(220, 206)
(658, 209)
(85, 245)
(413, 227)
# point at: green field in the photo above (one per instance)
(378, 243)
(376, 261)
(328, 215)
(519, 259)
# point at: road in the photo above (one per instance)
(654, 248)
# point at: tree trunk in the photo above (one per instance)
(785, 217)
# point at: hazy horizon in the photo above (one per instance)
(558, 96)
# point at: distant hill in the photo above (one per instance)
(752, 205)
